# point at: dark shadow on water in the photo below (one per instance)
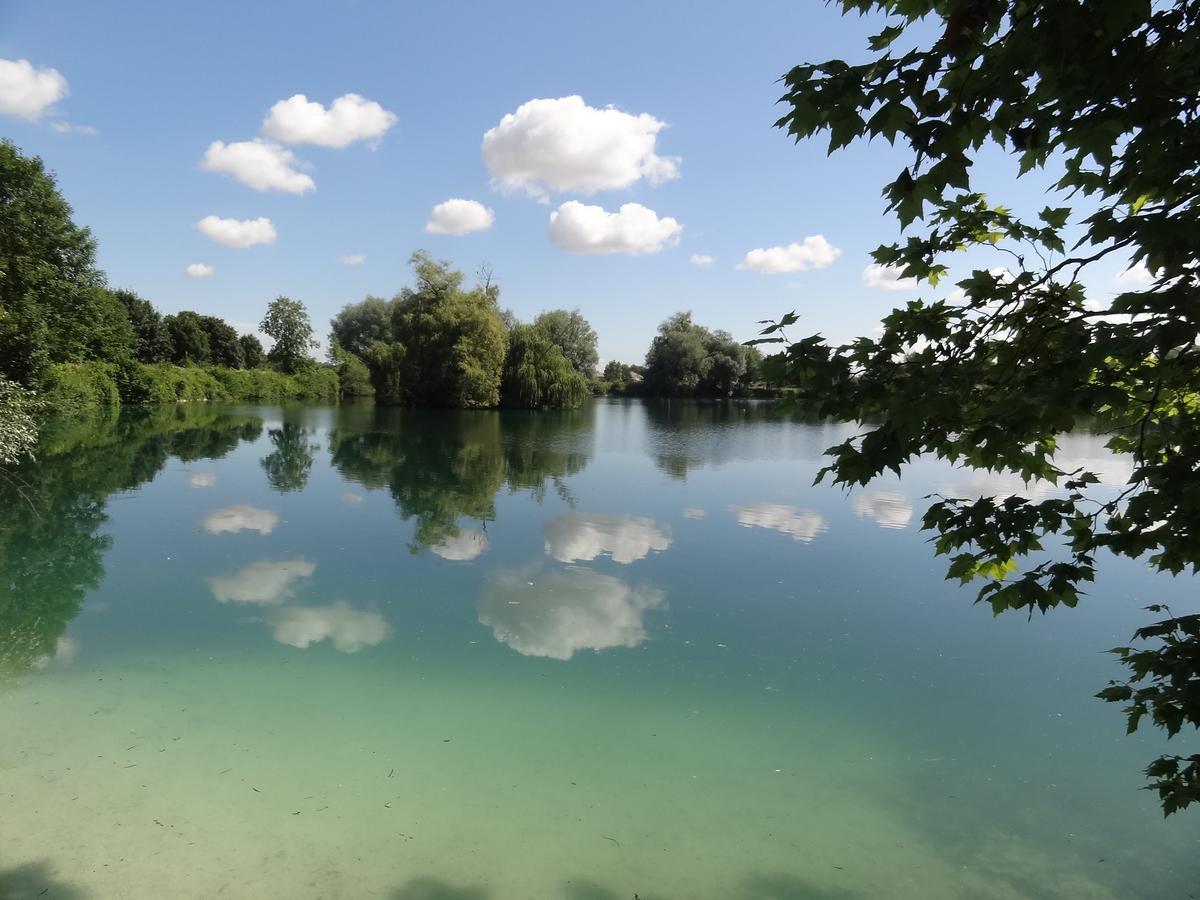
(436, 889)
(585, 889)
(34, 880)
(757, 887)
(791, 887)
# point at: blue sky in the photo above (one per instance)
(160, 82)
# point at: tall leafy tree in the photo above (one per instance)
(358, 325)
(354, 379)
(252, 351)
(189, 339)
(224, 345)
(571, 333)
(448, 343)
(151, 341)
(686, 359)
(287, 323)
(53, 304)
(1106, 93)
(537, 375)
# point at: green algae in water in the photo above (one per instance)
(348, 652)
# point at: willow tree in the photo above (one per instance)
(1103, 93)
(537, 374)
(447, 342)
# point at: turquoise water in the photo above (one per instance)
(630, 650)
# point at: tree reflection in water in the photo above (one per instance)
(51, 546)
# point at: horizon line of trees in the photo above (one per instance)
(56, 307)
(440, 344)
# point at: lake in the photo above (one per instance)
(625, 651)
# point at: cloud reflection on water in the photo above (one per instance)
(266, 582)
(627, 539)
(556, 614)
(889, 509)
(349, 629)
(240, 517)
(469, 543)
(801, 524)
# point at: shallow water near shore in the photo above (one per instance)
(357, 652)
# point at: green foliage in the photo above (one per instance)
(571, 333)
(252, 351)
(166, 383)
(385, 364)
(53, 305)
(317, 383)
(448, 347)
(1105, 92)
(354, 379)
(225, 347)
(688, 360)
(151, 339)
(189, 339)
(69, 387)
(359, 325)
(287, 323)
(617, 373)
(536, 373)
(18, 432)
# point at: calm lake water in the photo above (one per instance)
(630, 650)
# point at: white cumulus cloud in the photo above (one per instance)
(625, 538)
(199, 270)
(566, 145)
(349, 629)
(26, 91)
(262, 165)
(354, 259)
(349, 118)
(240, 517)
(801, 524)
(457, 216)
(238, 233)
(558, 614)
(887, 277)
(203, 480)
(579, 228)
(814, 252)
(267, 582)
(68, 128)
(701, 259)
(1138, 274)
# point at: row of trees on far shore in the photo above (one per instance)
(66, 335)
(441, 344)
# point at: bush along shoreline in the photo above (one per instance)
(66, 387)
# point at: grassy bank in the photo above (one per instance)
(73, 386)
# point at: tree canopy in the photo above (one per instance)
(686, 359)
(53, 303)
(1104, 94)
(570, 332)
(189, 339)
(288, 325)
(447, 346)
(359, 325)
(537, 374)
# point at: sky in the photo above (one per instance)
(620, 157)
